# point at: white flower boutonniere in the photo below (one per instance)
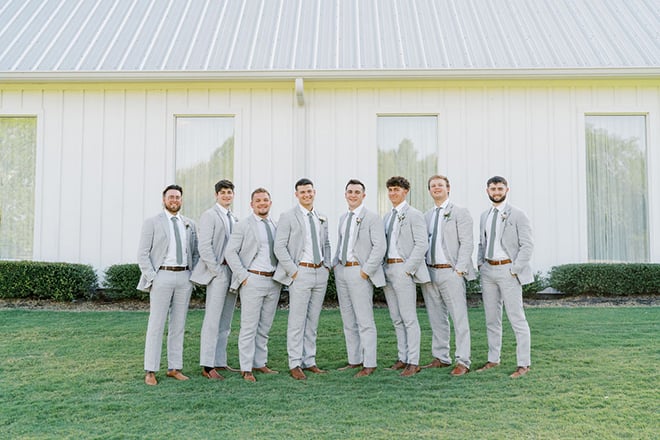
(401, 217)
(358, 220)
(322, 219)
(504, 216)
(447, 215)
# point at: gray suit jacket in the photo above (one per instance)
(289, 242)
(369, 247)
(516, 240)
(412, 243)
(212, 243)
(242, 249)
(152, 250)
(457, 240)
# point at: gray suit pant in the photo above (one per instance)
(306, 295)
(444, 296)
(401, 296)
(170, 292)
(259, 298)
(219, 311)
(355, 296)
(499, 287)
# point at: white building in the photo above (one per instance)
(103, 103)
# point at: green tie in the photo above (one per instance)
(347, 234)
(273, 260)
(177, 237)
(315, 240)
(491, 237)
(434, 236)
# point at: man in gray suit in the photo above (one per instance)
(251, 257)
(215, 227)
(358, 267)
(166, 253)
(302, 248)
(449, 260)
(505, 249)
(407, 243)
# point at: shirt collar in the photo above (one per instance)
(222, 208)
(305, 211)
(401, 206)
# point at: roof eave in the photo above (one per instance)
(362, 74)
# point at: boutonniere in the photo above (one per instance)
(186, 224)
(322, 219)
(504, 216)
(358, 220)
(447, 215)
(401, 217)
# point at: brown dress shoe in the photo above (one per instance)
(366, 371)
(520, 371)
(398, 365)
(459, 370)
(315, 369)
(487, 366)
(265, 370)
(150, 378)
(349, 367)
(410, 370)
(227, 368)
(212, 374)
(436, 363)
(177, 374)
(297, 374)
(248, 376)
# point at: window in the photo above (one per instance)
(617, 193)
(18, 151)
(407, 146)
(204, 155)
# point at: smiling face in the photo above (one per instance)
(397, 195)
(305, 195)
(261, 204)
(225, 197)
(172, 201)
(354, 195)
(439, 190)
(497, 192)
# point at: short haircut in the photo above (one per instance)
(259, 190)
(224, 184)
(399, 181)
(436, 177)
(497, 179)
(355, 182)
(302, 182)
(175, 187)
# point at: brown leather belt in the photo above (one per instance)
(312, 265)
(263, 274)
(498, 262)
(174, 268)
(351, 263)
(439, 266)
(394, 260)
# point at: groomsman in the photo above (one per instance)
(449, 260)
(166, 253)
(251, 257)
(215, 227)
(505, 249)
(303, 250)
(407, 244)
(358, 268)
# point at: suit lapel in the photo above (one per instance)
(164, 223)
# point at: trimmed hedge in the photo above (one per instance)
(41, 280)
(606, 279)
(121, 282)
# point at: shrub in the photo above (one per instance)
(41, 280)
(121, 282)
(606, 279)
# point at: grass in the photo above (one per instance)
(595, 374)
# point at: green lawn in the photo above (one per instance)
(76, 375)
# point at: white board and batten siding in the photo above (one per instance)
(105, 152)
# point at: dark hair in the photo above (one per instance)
(399, 181)
(497, 179)
(355, 182)
(259, 190)
(175, 187)
(436, 177)
(302, 182)
(224, 184)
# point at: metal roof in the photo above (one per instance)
(115, 39)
